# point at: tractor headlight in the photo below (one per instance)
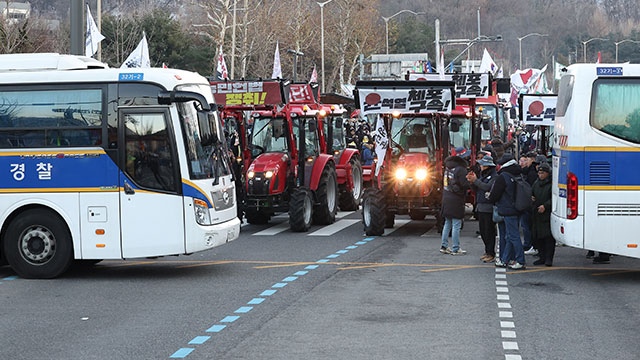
(268, 174)
(202, 212)
(401, 174)
(421, 174)
(251, 174)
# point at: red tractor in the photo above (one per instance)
(408, 173)
(288, 171)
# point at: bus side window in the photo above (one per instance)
(148, 151)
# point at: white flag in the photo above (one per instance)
(277, 70)
(500, 74)
(557, 73)
(139, 58)
(314, 76)
(487, 64)
(221, 69)
(382, 143)
(93, 36)
(441, 67)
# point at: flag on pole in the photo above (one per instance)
(558, 71)
(139, 58)
(93, 36)
(500, 74)
(314, 75)
(451, 67)
(164, 66)
(277, 69)
(487, 64)
(221, 68)
(382, 142)
(429, 68)
(441, 67)
(599, 58)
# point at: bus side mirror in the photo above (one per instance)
(313, 125)
(278, 128)
(208, 135)
(339, 122)
(485, 124)
(454, 125)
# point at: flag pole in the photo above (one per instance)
(100, 29)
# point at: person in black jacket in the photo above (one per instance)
(527, 162)
(541, 216)
(484, 209)
(503, 195)
(453, 199)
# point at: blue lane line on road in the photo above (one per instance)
(199, 340)
(181, 353)
(216, 328)
(290, 279)
(368, 239)
(279, 285)
(10, 278)
(333, 256)
(230, 319)
(268, 292)
(300, 273)
(244, 310)
(361, 243)
(342, 251)
(322, 261)
(311, 267)
(255, 301)
(351, 247)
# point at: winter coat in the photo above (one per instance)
(482, 186)
(504, 189)
(530, 174)
(455, 187)
(367, 156)
(541, 223)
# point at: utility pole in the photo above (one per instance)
(99, 15)
(233, 41)
(77, 27)
(438, 44)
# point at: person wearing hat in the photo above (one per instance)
(367, 152)
(541, 216)
(502, 194)
(484, 209)
(453, 200)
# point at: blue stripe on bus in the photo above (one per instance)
(196, 193)
(623, 169)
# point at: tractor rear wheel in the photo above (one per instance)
(350, 200)
(324, 213)
(373, 212)
(300, 210)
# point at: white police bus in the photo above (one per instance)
(596, 159)
(99, 163)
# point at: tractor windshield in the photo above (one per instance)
(414, 134)
(490, 111)
(462, 137)
(338, 141)
(267, 139)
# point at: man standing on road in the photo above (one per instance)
(541, 216)
(527, 163)
(484, 209)
(453, 199)
(503, 195)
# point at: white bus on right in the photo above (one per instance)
(596, 159)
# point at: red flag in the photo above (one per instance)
(314, 75)
(221, 69)
(599, 58)
(164, 66)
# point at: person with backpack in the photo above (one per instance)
(453, 200)
(541, 216)
(504, 195)
(484, 209)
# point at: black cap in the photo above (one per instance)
(545, 167)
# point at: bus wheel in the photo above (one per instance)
(417, 214)
(300, 210)
(327, 195)
(350, 200)
(373, 212)
(256, 217)
(37, 244)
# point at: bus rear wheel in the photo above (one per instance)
(38, 245)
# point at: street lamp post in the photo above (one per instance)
(520, 44)
(295, 62)
(386, 23)
(584, 47)
(623, 41)
(322, 4)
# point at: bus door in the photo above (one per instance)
(151, 206)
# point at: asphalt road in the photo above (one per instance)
(336, 294)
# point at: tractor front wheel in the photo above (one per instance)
(324, 213)
(373, 212)
(300, 210)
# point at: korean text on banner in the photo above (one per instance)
(382, 143)
(419, 100)
(468, 86)
(539, 110)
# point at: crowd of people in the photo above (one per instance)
(523, 226)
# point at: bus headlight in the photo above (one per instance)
(421, 174)
(401, 174)
(202, 212)
(268, 174)
(251, 174)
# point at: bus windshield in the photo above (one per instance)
(205, 162)
(462, 137)
(415, 134)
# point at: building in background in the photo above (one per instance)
(16, 11)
